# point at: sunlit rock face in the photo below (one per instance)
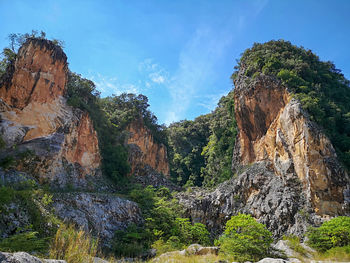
(35, 117)
(286, 172)
(145, 151)
(273, 127)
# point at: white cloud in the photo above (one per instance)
(156, 73)
(111, 85)
(196, 69)
(157, 77)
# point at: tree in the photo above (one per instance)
(333, 233)
(245, 239)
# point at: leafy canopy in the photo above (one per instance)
(333, 233)
(245, 239)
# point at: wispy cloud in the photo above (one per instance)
(154, 71)
(195, 70)
(111, 85)
(210, 101)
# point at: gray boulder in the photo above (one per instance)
(23, 257)
(102, 214)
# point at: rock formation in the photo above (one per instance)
(273, 127)
(287, 174)
(36, 118)
(145, 151)
(100, 213)
(48, 141)
(148, 158)
(21, 257)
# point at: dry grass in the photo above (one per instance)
(74, 246)
(339, 254)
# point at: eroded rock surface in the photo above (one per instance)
(145, 150)
(287, 174)
(35, 118)
(23, 257)
(101, 213)
(148, 158)
(274, 127)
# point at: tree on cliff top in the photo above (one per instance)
(321, 88)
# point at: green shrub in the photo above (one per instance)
(245, 239)
(163, 228)
(27, 241)
(131, 242)
(333, 233)
(35, 203)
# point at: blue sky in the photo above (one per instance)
(178, 53)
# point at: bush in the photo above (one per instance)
(28, 242)
(333, 233)
(163, 228)
(131, 242)
(245, 239)
(74, 246)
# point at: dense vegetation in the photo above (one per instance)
(321, 88)
(245, 239)
(333, 233)
(164, 228)
(200, 151)
(33, 203)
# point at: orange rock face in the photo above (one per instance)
(150, 153)
(273, 126)
(35, 114)
(81, 145)
(40, 75)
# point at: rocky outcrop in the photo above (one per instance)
(275, 201)
(274, 127)
(36, 118)
(286, 170)
(102, 214)
(144, 152)
(23, 257)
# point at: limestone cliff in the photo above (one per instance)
(144, 151)
(287, 174)
(273, 127)
(35, 117)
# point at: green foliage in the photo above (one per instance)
(163, 228)
(244, 239)
(36, 204)
(7, 162)
(130, 243)
(218, 152)
(333, 233)
(321, 88)
(27, 241)
(82, 93)
(200, 151)
(186, 142)
(127, 107)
